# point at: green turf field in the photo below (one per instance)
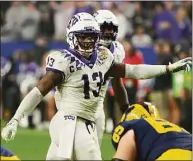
(33, 145)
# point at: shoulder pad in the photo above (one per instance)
(118, 51)
(55, 52)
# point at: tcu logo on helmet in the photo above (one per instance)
(69, 117)
(73, 21)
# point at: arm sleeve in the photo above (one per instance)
(31, 100)
(144, 71)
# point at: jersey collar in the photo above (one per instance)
(90, 63)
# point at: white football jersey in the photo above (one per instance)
(118, 53)
(78, 94)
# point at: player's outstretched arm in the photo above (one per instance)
(49, 81)
(143, 71)
(120, 94)
(126, 149)
(30, 101)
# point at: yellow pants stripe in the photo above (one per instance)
(176, 154)
(9, 158)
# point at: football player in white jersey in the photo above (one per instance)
(78, 73)
(109, 29)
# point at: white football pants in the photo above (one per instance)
(100, 124)
(81, 136)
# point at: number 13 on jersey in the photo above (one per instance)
(95, 76)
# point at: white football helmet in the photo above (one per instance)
(107, 21)
(83, 33)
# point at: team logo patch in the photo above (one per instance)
(103, 54)
(69, 117)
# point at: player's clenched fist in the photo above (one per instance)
(184, 64)
(9, 131)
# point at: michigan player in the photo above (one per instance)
(78, 73)
(109, 29)
(7, 155)
(143, 136)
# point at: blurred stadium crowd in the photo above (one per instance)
(166, 27)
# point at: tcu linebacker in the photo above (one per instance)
(109, 29)
(78, 73)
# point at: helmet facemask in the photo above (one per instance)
(85, 42)
(108, 33)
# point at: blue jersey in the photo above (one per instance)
(5, 152)
(153, 137)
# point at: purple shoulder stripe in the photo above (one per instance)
(57, 71)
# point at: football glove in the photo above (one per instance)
(9, 131)
(184, 64)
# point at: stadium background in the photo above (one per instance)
(151, 32)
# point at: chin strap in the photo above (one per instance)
(85, 53)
